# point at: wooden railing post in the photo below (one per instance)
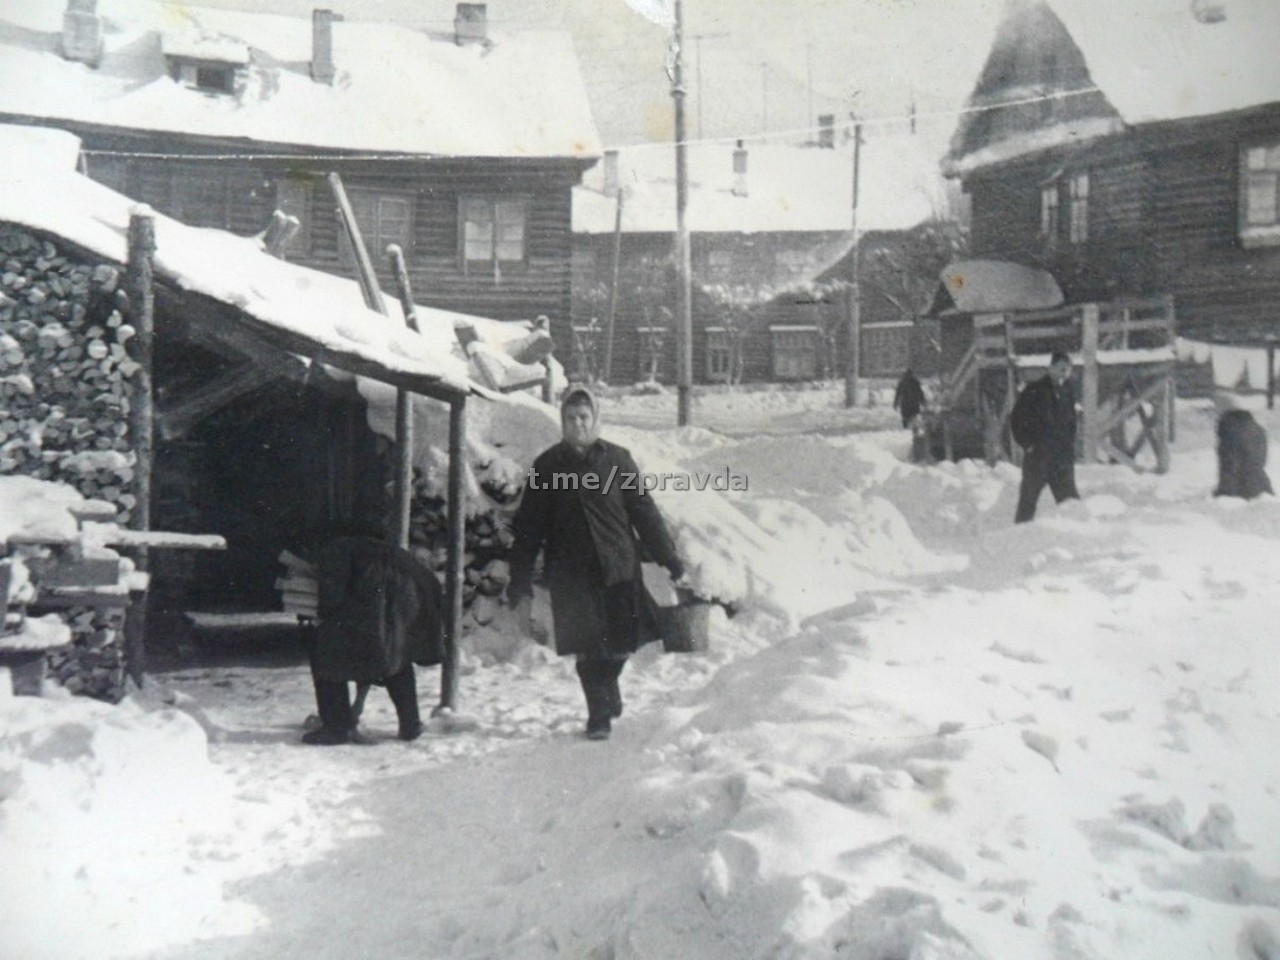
(1089, 387)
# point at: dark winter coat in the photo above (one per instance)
(908, 397)
(1242, 456)
(379, 610)
(592, 541)
(1044, 421)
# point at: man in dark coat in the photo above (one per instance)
(1242, 456)
(380, 613)
(1044, 425)
(908, 397)
(584, 505)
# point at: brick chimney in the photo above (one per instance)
(322, 68)
(471, 24)
(827, 131)
(82, 32)
(611, 173)
(740, 170)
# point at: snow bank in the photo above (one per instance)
(118, 834)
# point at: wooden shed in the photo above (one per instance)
(134, 334)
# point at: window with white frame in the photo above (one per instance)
(795, 353)
(493, 229)
(719, 354)
(652, 351)
(886, 348)
(1260, 194)
(1049, 210)
(383, 219)
(1078, 187)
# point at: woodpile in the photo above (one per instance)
(94, 664)
(65, 370)
(488, 539)
(65, 395)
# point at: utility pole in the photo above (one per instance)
(854, 356)
(684, 292)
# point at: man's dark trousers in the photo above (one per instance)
(1039, 469)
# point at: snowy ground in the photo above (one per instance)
(933, 736)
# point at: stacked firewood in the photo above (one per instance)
(65, 371)
(65, 393)
(487, 540)
(94, 664)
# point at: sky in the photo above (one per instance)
(753, 66)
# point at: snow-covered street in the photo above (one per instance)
(932, 734)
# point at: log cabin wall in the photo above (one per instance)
(1221, 286)
(646, 285)
(1164, 218)
(235, 187)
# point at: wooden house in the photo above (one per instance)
(461, 146)
(771, 233)
(198, 383)
(1132, 152)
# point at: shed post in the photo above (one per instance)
(140, 285)
(1089, 387)
(453, 578)
(607, 376)
(404, 408)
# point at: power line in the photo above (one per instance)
(884, 120)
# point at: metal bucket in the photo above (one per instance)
(686, 627)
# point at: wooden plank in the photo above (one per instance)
(1151, 392)
(140, 284)
(1108, 448)
(84, 572)
(179, 417)
(1089, 388)
(162, 539)
(453, 581)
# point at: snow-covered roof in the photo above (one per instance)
(993, 286)
(396, 89)
(324, 309)
(788, 188)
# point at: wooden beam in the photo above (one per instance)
(404, 410)
(1108, 448)
(453, 580)
(1147, 395)
(177, 418)
(140, 284)
(1089, 388)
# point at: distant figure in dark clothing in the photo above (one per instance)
(1044, 425)
(380, 613)
(1242, 456)
(584, 507)
(908, 397)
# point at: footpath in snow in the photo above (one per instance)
(933, 735)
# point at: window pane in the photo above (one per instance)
(511, 212)
(477, 211)
(1261, 199)
(1257, 158)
